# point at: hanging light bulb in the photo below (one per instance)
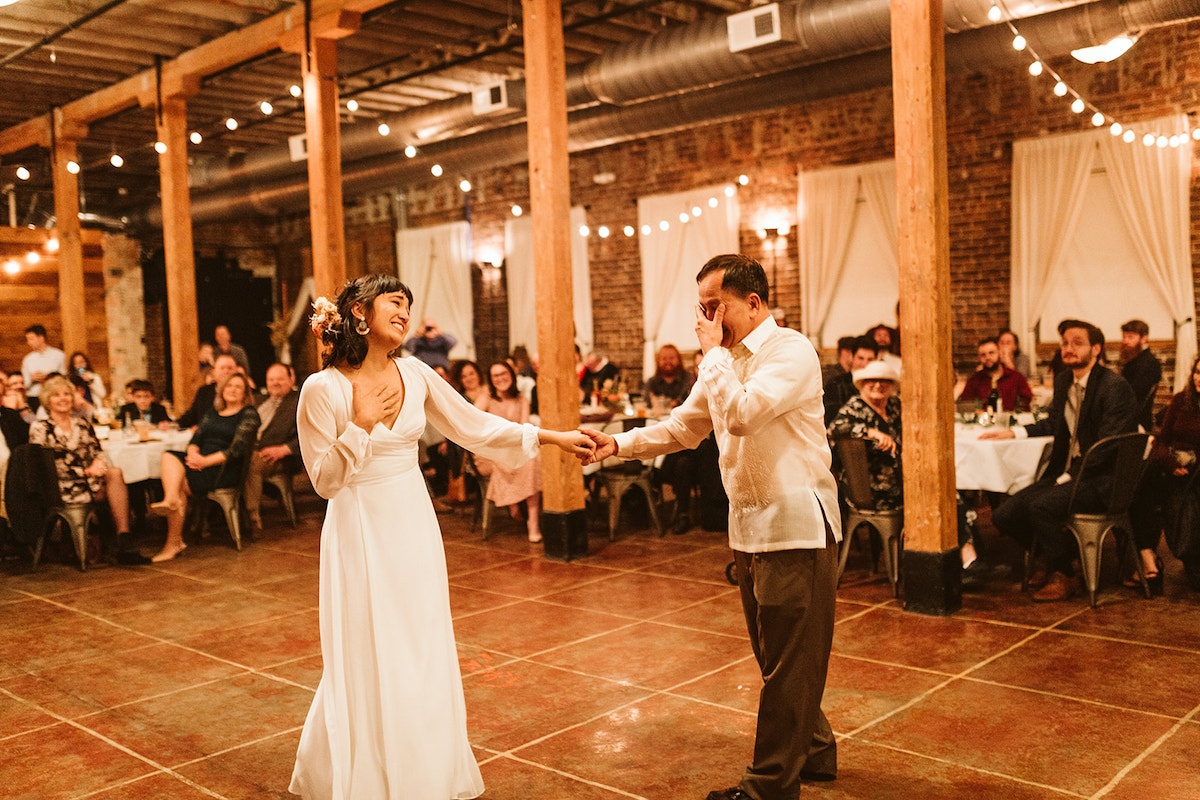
(1161, 141)
(697, 211)
(266, 108)
(603, 231)
(994, 13)
(1019, 42)
(629, 231)
(1115, 129)
(1035, 68)
(160, 147)
(410, 151)
(1128, 136)
(195, 137)
(32, 257)
(584, 230)
(743, 179)
(465, 185)
(12, 267)
(436, 169)
(1077, 105)
(683, 216)
(729, 190)
(517, 211)
(1174, 141)
(1148, 139)
(713, 202)
(294, 90)
(116, 161)
(22, 173)
(1097, 119)
(231, 123)
(1196, 134)
(52, 245)
(352, 105)
(1060, 89)
(72, 168)
(646, 229)
(384, 129)
(664, 226)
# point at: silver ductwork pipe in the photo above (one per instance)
(675, 60)
(1051, 35)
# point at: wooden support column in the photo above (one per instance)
(71, 302)
(321, 123)
(178, 250)
(550, 202)
(932, 569)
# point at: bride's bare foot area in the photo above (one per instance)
(535, 536)
(166, 508)
(168, 553)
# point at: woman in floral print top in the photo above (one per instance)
(875, 414)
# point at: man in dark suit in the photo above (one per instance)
(278, 445)
(840, 388)
(1140, 367)
(143, 406)
(203, 401)
(1090, 403)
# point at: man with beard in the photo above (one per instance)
(1140, 367)
(1010, 386)
(840, 388)
(1091, 402)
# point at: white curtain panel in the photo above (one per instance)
(671, 259)
(520, 266)
(1050, 178)
(827, 221)
(1151, 186)
(435, 262)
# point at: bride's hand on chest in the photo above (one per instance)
(376, 403)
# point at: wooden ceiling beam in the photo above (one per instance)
(178, 75)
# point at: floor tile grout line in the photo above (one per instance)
(972, 768)
(1060, 696)
(1149, 751)
(239, 746)
(1190, 651)
(570, 775)
(881, 663)
(112, 743)
(650, 693)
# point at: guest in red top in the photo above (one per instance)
(1168, 481)
(1010, 386)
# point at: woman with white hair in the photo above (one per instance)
(874, 413)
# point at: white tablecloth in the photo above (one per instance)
(142, 461)
(995, 465)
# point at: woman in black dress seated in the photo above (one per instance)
(874, 414)
(84, 475)
(213, 460)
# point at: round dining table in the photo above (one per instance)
(141, 459)
(995, 465)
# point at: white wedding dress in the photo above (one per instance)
(388, 721)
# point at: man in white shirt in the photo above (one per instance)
(759, 389)
(40, 361)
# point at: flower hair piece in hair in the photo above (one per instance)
(325, 318)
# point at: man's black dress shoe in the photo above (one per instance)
(728, 794)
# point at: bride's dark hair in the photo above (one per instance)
(347, 344)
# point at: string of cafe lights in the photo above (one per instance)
(1129, 133)
(12, 266)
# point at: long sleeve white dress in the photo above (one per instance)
(388, 721)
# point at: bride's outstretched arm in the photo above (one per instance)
(576, 443)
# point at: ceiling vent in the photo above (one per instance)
(490, 99)
(760, 27)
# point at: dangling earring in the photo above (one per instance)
(361, 327)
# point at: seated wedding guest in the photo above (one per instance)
(214, 457)
(665, 389)
(1091, 402)
(522, 364)
(466, 377)
(206, 362)
(202, 402)
(888, 341)
(81, 366)
(845, 355)
(994, 382)
(599, 375)
(1011, 355)
(841, 388)
(278, 446)
(16, 399)
(83, 474)
(511, 487)
(1141, 368)
(670, 383)
(1167, 485)
(225, 347)
(83, 407)
(875, 414)
(40, 362)
(143, 405)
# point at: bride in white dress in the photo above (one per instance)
(388, 720)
